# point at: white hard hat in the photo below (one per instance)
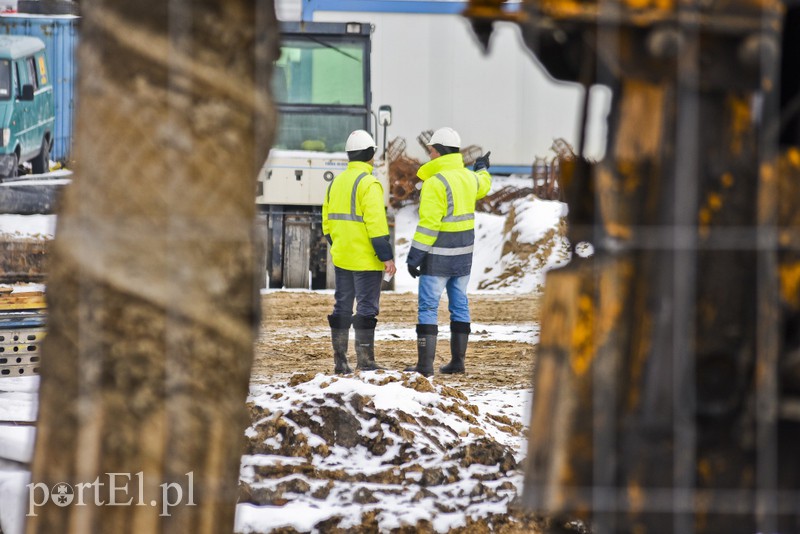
(359, 140)
(446, 137)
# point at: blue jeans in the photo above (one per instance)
(430, 292)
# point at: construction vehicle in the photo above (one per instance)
(321, 86)
(667, 379)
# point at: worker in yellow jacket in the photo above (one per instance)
(441, 252)
(354, 223)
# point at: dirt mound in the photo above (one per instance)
(525, 252)
(384, 442)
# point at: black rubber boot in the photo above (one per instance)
(365, 343)
(426, 349)
(459, 335)
(340, 337)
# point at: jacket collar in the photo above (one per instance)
(442, 163)
(362, 166)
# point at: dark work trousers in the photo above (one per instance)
(363, 286)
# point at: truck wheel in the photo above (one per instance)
(41, 163)
(14, 170)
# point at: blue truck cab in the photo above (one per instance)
(27, 109)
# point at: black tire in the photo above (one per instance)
(14, 170)
(41, 163)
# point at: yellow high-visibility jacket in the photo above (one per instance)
(445, 235)
(354, 220)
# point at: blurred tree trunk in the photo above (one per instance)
(152, 290)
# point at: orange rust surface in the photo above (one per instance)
(583, 341)
(712, 204)
(789, 197)
(598, 316)
(640, 130)
(741, 122)
(655, 8)
(790, 283)
(727, 180)
(492, 9)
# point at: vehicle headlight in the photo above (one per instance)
(6, 136)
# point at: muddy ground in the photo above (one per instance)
(294, 337)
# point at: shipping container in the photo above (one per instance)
(60, 35)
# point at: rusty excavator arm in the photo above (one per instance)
(667, 382)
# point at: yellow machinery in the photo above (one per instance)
(667, 381)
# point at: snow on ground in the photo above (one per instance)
(409, 451)
(54, 177)
(392, 332)
(17, 443)
(37, 226)
(18, 403)
(480, 332)
(43, 226)
(12, 500)
(461, 418)
(18, 399)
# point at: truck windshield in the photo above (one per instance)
(317, 71)
(5, 79)
(319, 86)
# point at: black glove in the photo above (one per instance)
(413, 271)
(482, 162)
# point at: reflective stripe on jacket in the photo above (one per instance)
(445, 235)
(354, 220)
